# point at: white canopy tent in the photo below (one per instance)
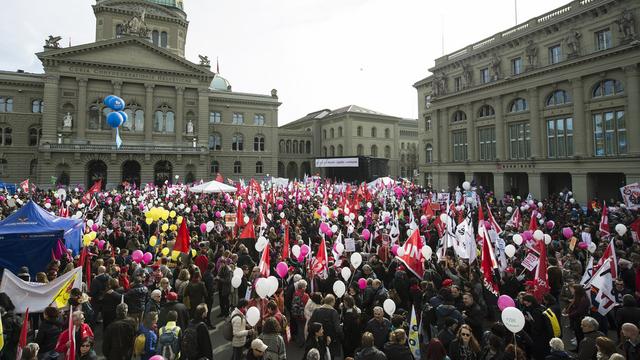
(383, 181)
(213, 187)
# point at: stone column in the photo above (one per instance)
(203, 117)
(50, 115)
(148, 113)
(81, 113)
(534, 122)
(435, 139)
(180, 124)
(537, 185)
(471, 134)
(117, 88)
(498, 184)
(581, 187)
(633, 109)
(501, 141)
(444, 135)
(580, 137)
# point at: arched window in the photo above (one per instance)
(301, 147)
(332, 150)
(35, 134)
(332, 132)
(259, 167)
(237, 167)
(135, 118)
(360, 150)
(459, 116)
(164, 120)
(258, 143)
(215, 167)
(324, 133)
(308, 147)
(340, 131)
(281, 146)
(607, 87)
(295, 146)
(387, 151)
(163, 39)
(215, 141)
(387, 133)
(237, 142)
(558, 97)
(6, 136)
(359, 131)
(374, 132)
(340, 150)
(6, 104)
(324, 151)
(37, 106)
(155, 37)
(486, 111)
(374, 150)
(429, 154)
(518, 105)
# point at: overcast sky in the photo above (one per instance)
(317, 53)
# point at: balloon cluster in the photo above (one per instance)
(117, 117)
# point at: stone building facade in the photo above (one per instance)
(184, 122)
(549, 105)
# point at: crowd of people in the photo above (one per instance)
(161, 307)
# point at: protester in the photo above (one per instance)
(257, 350)
(86, 349)
(379, 327)
(317, 340)
(330, 320)
(272, 338)
(119, 335)
(48, 332)
(557, 351)
(630, 346)
(397, 347)
(368, 350)
(464, 346)
(82, 333)
(240, 329)
(587, 348)
(30, 352)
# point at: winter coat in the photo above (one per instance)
(48, 333)
(380, 331)
(183, 314)
(330, 321)
(276, 348)
(587, 348)
(118, 339)
(136, 298)
(369, 353)
(239, 325)
(395, 351)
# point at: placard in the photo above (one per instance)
(631, 195)
(443, 197)
(530, 262)
(230, 220)
(349, 245)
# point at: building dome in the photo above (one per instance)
(219, 84)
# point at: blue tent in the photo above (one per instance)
(28, 235)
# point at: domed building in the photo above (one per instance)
(219, 84)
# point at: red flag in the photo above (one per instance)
(609, 253)
(285, 247)
(71, 351)
(93, 204)
(604, 223)
(516, 219)
(635, 230)
(320, 262)
(533, 223)
(183, 240)
(265, 262)
(488, 263)
(412, 257)
(239, 216)
(541, 281)
(22, 342)
(97, 186)
(25, 185)
(493, 222)
(248, 232)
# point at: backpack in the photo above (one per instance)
(297, 307)
(139, 344)
(189, 342)
(168, 343)
(227, 328)
(553, 320)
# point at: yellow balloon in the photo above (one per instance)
(93, 235)
(153, 241)
(164, 215)
(173, 227)
(174, 255)
(179, 220)
(165, 251)
(172, 214)
(86, 239)
(193, 253)
(148, 220)
(165, 227)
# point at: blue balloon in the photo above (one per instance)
(124, 117)
(107, 100)
(114, 119)
(116, 104)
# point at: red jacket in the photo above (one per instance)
(63, 339)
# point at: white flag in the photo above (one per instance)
(464, 232)
(38, 296)
(601, 285)
(588, 272)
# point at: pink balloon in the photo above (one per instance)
(304, 250)
(567, 232)
(329, 233)
(394, 249)
(550, 224)
(147, 257)
(137, 255)
(362, 283)
(101, 244)
(366, 234)
(583, 245)
(194, 208)
(282, 269)
(527, 235)
(203, 228)
(95, 227)
(279, 207)
(398, 191)
(324, 227)
(157, 357)
(424, 220)
(505, 301)
(300, 257)
(218, 214)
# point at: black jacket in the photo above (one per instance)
(395, 351)
(380, 331)
(369, 353)
(205, 350)
(48, 333)
(118, 339)
(180, 308)
(455, 351)
(558, 355)
(136, 298)
(330, 321)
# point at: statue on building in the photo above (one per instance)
(53, 42)
(274, 93)
(573, 43)
(204, 60)
(627, 26)
(467, 74)
(532, 54)
(190, 127)
(495, 66)
(440, 82)
(67, 121)
(136, 26)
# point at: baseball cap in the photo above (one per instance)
(172, 296)
(257, 344)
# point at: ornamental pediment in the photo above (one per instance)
(132, 53)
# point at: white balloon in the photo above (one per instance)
(238, 272)
(299, 206)
(210, 225)
(235, 282)
(295, 250)
(426, 251)
(253, 315)
(570, 193)
(89, 223)
(547, 239)
(352, 216)
(346, 273)
(339, 288)
(262, 288)
(260, 244)
(356, 260)
(539, 204)
(444, 218)
(339, 248)
(538, 235)
(572, 200)
(513, 319)
(47, 205)
(509, 209)
(269, 216)
(561, 194)
(592, 247)
(510, 250)
(621, 229)
(273, 284)
(360, 218)
(400, 251)
(282, 215)
(334, 229)
(409, 232)
(389, 307)
(466, 185)
(517, 239)
(522, 208)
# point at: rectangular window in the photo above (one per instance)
(516, 66)
(484, 75)
(560, 137)
(215, 117)
(427, 123)
(487, 141)
(603, 39)
(555, 54)
(609, 133)
(459, 145)
(238, 119)
(258, 119)
(457, 83)
(519, 141)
